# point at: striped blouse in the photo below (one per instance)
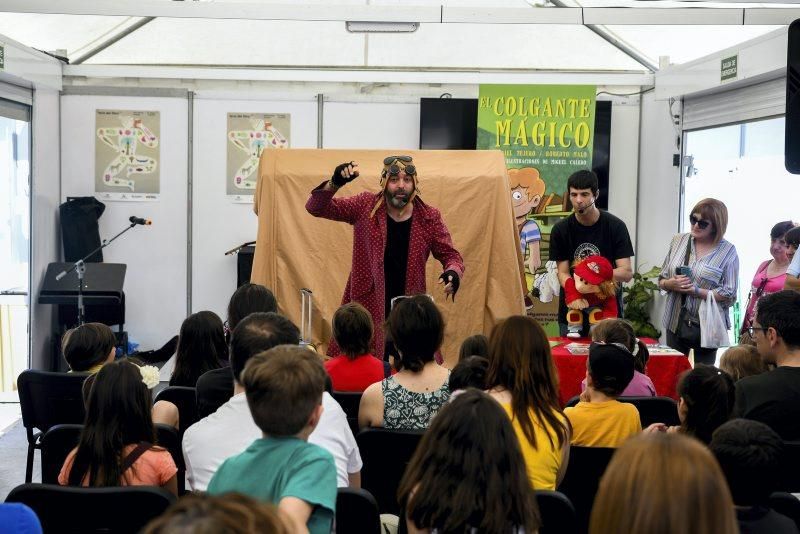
(718, 271)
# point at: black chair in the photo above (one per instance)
(790, 467)
(357, 511)
(655, 410)
(786, 504)
(47, 399)
(651, 409)
(167, 437)
(584, 471)
(61, 439)
(56, 445)
(67, 509)
(349, 401)
(385, 454)
(557, 513)
(186, 401)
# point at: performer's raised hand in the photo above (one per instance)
(344, 173)
(451, 281)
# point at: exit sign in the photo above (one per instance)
(729, 68)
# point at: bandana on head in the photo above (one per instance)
(385, 174)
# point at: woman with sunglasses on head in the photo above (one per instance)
(412, 230)
(698, 262)
(769, 278)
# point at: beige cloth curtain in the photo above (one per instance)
(471, 188)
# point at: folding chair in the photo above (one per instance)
(47, 399)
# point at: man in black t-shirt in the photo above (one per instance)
(774, 397)
(588, 231)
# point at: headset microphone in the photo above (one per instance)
(583, 209)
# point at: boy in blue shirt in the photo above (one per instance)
(284, 388)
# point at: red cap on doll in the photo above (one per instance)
(595, 270)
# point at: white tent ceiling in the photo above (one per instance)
(221, 41)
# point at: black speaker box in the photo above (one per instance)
(792, 139)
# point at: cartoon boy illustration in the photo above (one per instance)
(527, 189)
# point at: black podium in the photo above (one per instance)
(244, 261)
(103, 297)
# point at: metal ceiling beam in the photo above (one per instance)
(228, 10)
(112, 40)
(620, 45)
(437, 14)
(359, 75)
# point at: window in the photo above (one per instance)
(15, 172)
(742, 165)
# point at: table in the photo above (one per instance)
(663, 370)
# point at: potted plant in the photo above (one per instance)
(637, 298)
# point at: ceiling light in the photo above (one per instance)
(381, 27)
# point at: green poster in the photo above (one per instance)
(546, 133)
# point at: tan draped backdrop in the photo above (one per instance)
(471, 188)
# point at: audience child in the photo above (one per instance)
(774, 397)
(599, 419)
(116, 443)
(620, 331)
(355, 369)
(707, 396)
(87, 347)
(409, 399)
(163, 412)
(230, 429)
(232, 513)
(249, 298)
(477, 345)
(201, 348)
(663, 484)
(742, 360)
(523, 379)
(468, 474)
(214, 388)
(284, 388)
(469, 373)
(749, 454)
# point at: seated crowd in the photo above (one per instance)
(272, 444)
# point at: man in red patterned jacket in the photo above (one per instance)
(394, 232)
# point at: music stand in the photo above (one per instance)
(102, 295)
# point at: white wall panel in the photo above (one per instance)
(155, 284)
(218, 224)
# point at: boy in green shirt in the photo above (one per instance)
(284, 388)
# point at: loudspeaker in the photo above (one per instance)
(80, 230)
(792, 138)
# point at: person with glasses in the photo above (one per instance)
(773, 398)
(394, 233)
(770, 276)
(698, 262)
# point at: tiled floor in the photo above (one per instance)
(9, 414)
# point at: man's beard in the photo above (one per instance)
(397, 202)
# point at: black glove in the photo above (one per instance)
(451, 277)
(339, 180)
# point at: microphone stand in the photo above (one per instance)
(80, 268)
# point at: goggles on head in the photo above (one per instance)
(394, 165)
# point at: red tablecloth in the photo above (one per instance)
(663, 370)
